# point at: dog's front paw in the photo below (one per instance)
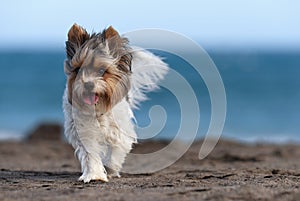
(86, 178)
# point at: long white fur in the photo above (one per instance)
(107, 139)
(147, 71)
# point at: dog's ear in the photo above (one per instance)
(110, 32)
(76, 38)
(118, 48)
(113, 39)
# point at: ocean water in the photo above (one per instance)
(262, 89)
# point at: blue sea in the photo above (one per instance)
(262, 90)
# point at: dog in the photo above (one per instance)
(106, 80)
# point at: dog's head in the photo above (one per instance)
(98, 68)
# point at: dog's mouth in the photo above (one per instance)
(91, 98)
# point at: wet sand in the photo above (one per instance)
(46, 169)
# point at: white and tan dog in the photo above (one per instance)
(106, 79)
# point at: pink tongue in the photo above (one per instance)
(91, 100)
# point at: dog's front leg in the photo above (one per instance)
(90, 159)
(91, 166)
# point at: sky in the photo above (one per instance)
(263, 23)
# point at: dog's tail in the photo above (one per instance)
(147, 70)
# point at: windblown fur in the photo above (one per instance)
(106, 79)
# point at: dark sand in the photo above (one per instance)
(45, 169)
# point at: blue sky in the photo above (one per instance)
(269, 23)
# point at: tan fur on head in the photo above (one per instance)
(105, 52)
(76, 37)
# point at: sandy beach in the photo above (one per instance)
(43, 167)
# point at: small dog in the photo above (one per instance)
(106, 80)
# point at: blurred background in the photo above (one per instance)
(254, 44)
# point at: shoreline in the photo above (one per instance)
(10, 136)
(43, 167)
(45, 128)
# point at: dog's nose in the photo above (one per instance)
(89, 85)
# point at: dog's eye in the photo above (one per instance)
(101, 71)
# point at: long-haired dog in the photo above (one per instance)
(106, 79)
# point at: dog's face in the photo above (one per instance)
(97, 69)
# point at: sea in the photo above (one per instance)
(262, 95)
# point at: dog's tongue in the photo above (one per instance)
(91, 99)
